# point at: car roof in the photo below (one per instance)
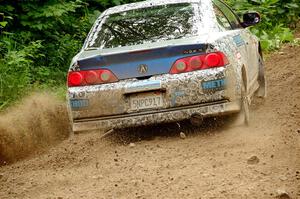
(148, 3)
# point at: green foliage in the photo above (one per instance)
(49, 16)
(15, 67)
(273, 38)
(39, 38)
(279, 17)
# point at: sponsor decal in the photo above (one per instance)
(79, 103)
(238, 55)
(75, 95)
(214, 85)
(238, 40)
(175, 95)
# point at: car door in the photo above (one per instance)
(247, 42)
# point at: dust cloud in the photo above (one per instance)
(36, 123)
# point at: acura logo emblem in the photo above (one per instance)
(143, 68)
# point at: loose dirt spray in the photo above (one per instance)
(38, 122)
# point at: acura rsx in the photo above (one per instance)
(165, 61)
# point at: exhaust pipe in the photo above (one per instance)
(196, 119)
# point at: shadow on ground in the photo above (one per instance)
(169, 130)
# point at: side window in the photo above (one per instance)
(222, 20)
(232, 18)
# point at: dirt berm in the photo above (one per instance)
(260, 161)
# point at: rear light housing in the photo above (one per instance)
(199, 62)
(90, 77)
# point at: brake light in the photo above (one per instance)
(90, 77)
(195, 62)
(75, 78)
(212, 59)
(199, 62)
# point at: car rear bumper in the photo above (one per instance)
(153, 117)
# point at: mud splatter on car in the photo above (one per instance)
(164, 61)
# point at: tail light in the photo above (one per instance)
(90, 77)
(75, 78)
(199, 62)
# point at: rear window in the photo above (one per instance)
(147, 25)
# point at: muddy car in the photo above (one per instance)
(165, 61)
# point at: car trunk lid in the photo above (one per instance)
(141, 61)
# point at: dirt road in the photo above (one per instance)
(259, 161)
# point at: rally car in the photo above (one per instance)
(165, 61)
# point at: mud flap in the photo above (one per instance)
(243, 117)
(262, 90)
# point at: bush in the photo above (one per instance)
(37, 43)
(15, 67)
(279, 17)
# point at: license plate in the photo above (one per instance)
(146, 101)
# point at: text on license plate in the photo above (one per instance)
(146, 101)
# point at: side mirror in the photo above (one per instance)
(250, 19)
